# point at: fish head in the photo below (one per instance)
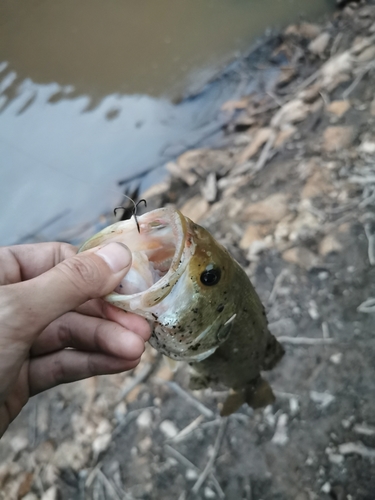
(182, 280)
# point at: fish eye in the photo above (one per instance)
(211, 275)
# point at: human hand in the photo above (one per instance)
(54, 328)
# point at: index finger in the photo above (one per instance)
(23, 262)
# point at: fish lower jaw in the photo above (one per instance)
(181, 354)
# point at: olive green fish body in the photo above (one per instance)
(200, 302)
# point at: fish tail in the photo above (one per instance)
(258, 394)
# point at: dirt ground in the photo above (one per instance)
(291, 193)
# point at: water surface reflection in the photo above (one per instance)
(86, 91)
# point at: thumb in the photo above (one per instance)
(88, 275)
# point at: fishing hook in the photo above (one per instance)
(134, 210)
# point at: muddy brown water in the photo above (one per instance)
(87, 91)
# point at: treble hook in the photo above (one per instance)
(134, 210)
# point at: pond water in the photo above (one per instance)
(87, 92)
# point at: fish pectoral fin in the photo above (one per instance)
(257, 395)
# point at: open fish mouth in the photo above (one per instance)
(159, 254)
(159, 285)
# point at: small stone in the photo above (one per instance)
(208, 493)
(337, 138)
(319, 44)
(50, 494)
(195, 208)
(316, 185)
(326, 488)
(302, 257)
(335, 458)
(336, 358)
(322, 399)
(191, 475)
(339, 108)
(169, 429)
(144, 419)
(101, 443)
(281, 437)
(372, 107)
(120, 411)
(19, 443)
(313, 310)
(293, 406)
(271, 209)
(104, 427)
(367, 147)
(329, 244)
(209, 190)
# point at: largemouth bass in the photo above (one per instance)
(200, 303)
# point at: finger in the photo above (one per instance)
(30, 306)
(23, 262)
(128, 320)
(70, 365)
(101, 309)
(86, 333)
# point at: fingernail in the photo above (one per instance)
(116, 255)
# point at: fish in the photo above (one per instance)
(200, 304)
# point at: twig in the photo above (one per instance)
(357, 80)
(370, 234)
(264, 155)
(138, 379)
(188, 429)
(191, 399)
(364, 429)
(189, 465)
(277, 283)
(304, 340)
(357, 449)
(359, 179)
(368, 306)
(128, 418)
(325, 330)
(91, 477)
(108, 485)
(207, 470)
